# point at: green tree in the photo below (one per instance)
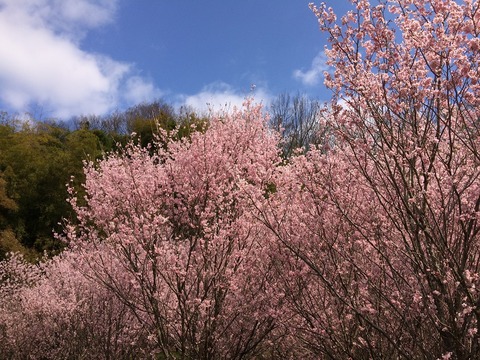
(146, 119)
(34, 165)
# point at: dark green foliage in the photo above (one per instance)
(36, 162)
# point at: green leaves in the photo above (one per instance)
(36, 163)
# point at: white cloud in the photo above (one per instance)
(222, 96)
(42, 62)
(138, 90)
(90, 13)
(69, 17)
(313, 75)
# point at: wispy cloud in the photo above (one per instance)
(138, 90)
(222, 96)
(42, 60)
(314, 74)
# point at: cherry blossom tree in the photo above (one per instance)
(383, 230)
(52, 310)
(165, 258)
(195, 270)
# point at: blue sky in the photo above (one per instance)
(63, 58)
